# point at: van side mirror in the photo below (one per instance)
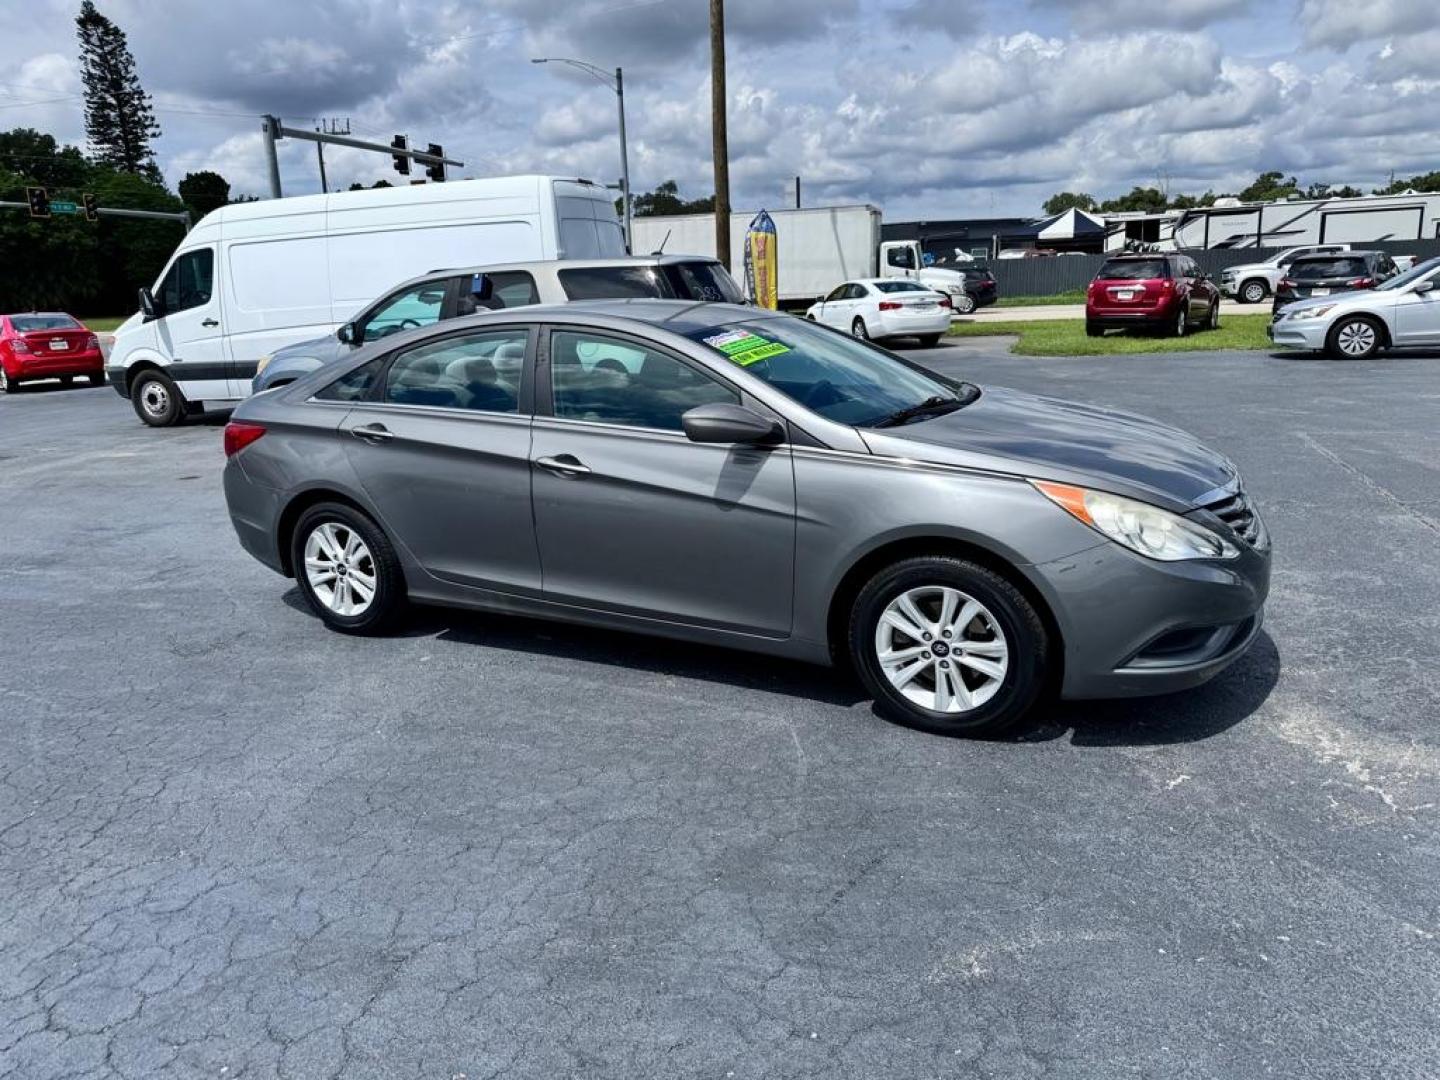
(148, 307)
(724, 423)
(346, 333)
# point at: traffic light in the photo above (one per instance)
(436, 170)
(92, 206)
(39, 202)
(402, 163)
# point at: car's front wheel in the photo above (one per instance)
(1254, 291)
(1355, 338)
(347, 569)
(857, 329)
(948, 646)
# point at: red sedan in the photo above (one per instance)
(47, 345)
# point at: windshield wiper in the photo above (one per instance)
(931, 406)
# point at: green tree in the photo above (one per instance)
(1066, 200)
(1269, 186)
(204, 191)
(665, 200)
(132, 252)
(37, 157)
(1150, 200)
(1426, 182)
(119, 121)
(44, 264)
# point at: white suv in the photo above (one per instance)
(1251, 283)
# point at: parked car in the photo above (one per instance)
(448, 294)
(742, 478)
(1321, 275)
(880, 308)
(1166, 292)
(253, 277)
(981, 290)
(1400, 313)
(1250, 283)
(47, 345)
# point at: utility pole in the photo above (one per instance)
(720, 143)
(270, 129)
(624, 161)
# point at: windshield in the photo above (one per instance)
(1340, 266)
(828, 372)
(1415, 273)
(27, 324)
(1132, 270)
(898, 286)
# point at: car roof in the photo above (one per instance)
(679, 316)
(1327, 256)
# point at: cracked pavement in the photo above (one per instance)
(235, 845)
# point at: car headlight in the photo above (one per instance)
(260, 364)
(1313, 313)
(1144, 529)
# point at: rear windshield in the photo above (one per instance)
(899, 286)
(25, 324)
(1134, 270)
(1311, 269)
(978, 275)
(615, 283)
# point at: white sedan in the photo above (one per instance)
(875, 308)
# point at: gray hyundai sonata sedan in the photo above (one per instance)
(748, 479)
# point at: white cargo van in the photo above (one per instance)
(251, 278)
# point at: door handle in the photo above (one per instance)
(209, 322)
(564, 465)
(375, 433)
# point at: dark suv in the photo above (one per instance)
(1166, 291)
(981, 288)
(1321, 275)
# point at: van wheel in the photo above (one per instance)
(347, 569)
(1253, 291)
(156, 399)
(948, 646)
(1356, 338)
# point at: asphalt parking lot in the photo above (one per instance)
(234, 844)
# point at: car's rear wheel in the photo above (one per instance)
(929, 341)
(857, 329)
(7, 384)
(1094, 329)
(156, 399)
(1355, 338)
(948, 646)
(347, 569)
(1253, 291)
(1182, 321)
(97, 380)
(964, 303)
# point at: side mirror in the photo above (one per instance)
(346, 333)
(1428, 285)
(722, 423)
(148, 307)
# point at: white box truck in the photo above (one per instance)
(251, 278)
(818, 248)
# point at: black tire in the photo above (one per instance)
(67, 380)
(1093, 330)
(156, 400)
(1027, 642)
(7, 384)
(388, 600)
(859, 330)
(1181, 326)
(929, 341)
(964, 303)
(1253, 291)
(1355, 329)
(97, 380)
(1213, 322)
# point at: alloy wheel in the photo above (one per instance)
(942, 649)
(1356, 338)
(340, 568)
(857, 329)
(1254, 292)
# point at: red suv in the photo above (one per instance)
(1166, 292)
(47, 345)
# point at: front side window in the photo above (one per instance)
(831, 374)
(838, 293)
(607, 381)
(354, 385)
(902, 257)
(479, 371)
(418, 306)
(614, 283)
(188, 282)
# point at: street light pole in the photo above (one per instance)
(617, 84)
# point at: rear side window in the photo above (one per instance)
(899, 285)
(1134, 270)
(614, 283)
(494, 292)
(480, 372)
(1311, 269)
(354, 385)
(27, 324)
(189, 281)
(703, 281)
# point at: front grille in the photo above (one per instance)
(1236, 511)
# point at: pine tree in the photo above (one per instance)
(118, 118)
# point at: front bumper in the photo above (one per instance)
(1134, 626)
(115, 376)
(1299, 333)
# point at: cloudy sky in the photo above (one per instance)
(924, 107)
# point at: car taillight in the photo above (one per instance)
(239, 434)
(1361, 283)
(1287, 283)
(92, 342)
(945, 302)
(1167, 284)
(890, 305)
(18, 345)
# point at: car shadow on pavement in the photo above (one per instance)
(1156, 721)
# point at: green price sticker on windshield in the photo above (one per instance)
(745, 348)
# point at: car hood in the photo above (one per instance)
(1249, 268)
(1050, 439)
(324, 349)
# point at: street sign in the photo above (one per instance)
(62, 206)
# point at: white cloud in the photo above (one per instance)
(1341, 23)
